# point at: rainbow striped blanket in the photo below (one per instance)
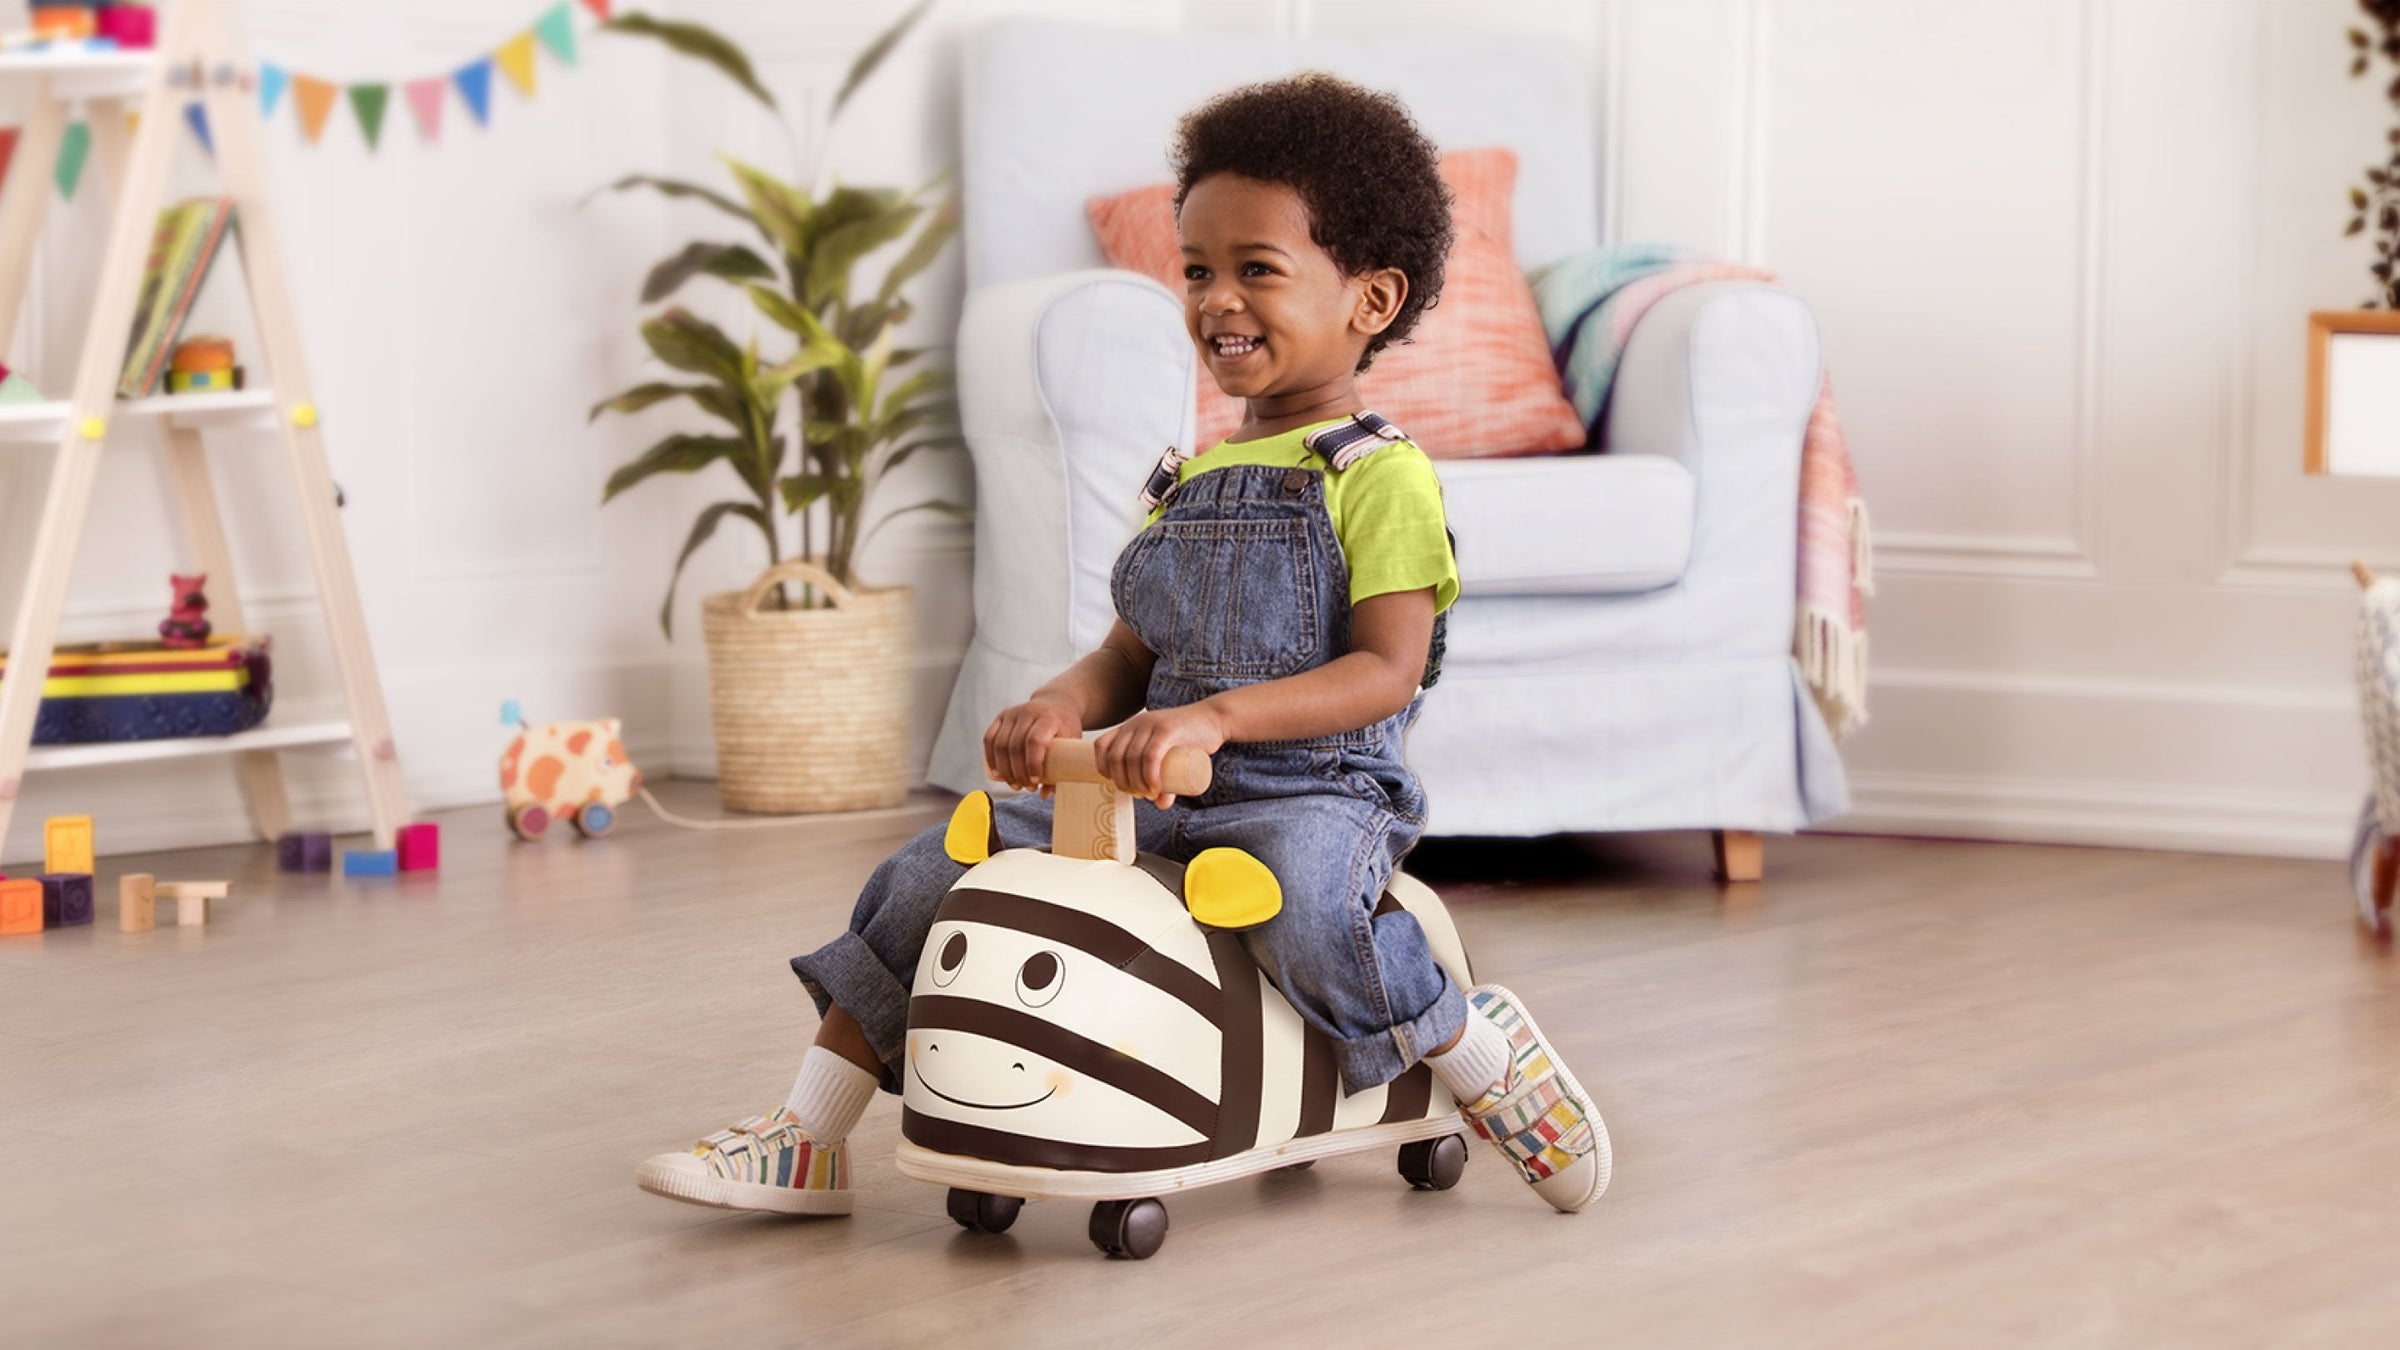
(1589, 305)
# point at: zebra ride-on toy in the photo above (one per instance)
(1086, 1024)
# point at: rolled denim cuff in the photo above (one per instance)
(845, 973)
(1380, 1057)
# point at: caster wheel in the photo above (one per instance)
(1133, 1229)
(980, 1213)
(1301, 1166)
(530, 822)
(595, 820)
(1434, 1164)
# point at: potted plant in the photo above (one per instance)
(808, 668)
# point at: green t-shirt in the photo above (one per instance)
(1386, 510)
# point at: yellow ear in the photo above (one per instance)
(970, 838)
(1227, 888)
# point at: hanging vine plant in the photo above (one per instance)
(2375, 200)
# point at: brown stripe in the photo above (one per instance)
(945, 1012)
(1408, 1095)
(1085, 933)
(1023, 1150)
(1317, 1083)
(1241, 1056)
(1165, 871)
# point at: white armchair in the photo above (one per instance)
(1620, 654)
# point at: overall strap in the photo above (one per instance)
(1346, 443)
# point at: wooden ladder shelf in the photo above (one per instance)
(198, 57)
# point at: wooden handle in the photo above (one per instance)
(2365, 574)
(1187, 770)
(798, 569)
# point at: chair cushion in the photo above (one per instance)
(1568, 524)
(1475, 376)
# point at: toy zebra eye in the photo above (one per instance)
(954, 955)
(1040, 979)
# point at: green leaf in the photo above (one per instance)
(782, 212)
(2359, 39)
(702, 528)
(779, 307)
(880, 48)
(929, 244)
(679, 453)
(902, 455)
(773, 380)
(803, 490)
(903, 393)
(641, 396)
(729, 262)
(840, 244)
(954, 510)
(672, 187)
(2356, 224)
(695, 41)
(688, 342)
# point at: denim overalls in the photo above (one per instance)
(1241, 580)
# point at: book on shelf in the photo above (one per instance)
(181, 250)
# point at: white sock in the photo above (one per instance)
(830, 1095)
(1475, 1064)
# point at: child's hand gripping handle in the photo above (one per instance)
(1187, 769)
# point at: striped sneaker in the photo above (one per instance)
(1538, 1116)
(766, 1163)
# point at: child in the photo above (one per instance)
(1295, 649)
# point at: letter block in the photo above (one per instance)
(20, 906)
(66, 899)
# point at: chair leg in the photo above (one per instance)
(1741, 856)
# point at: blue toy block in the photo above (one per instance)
(363, 862)
(66, 899)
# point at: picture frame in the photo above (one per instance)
(2353, 400)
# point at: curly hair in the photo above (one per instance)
(1372, 182)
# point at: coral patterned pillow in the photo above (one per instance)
(1475, 379)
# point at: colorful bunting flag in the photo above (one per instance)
(73, 149)
(474, 80)
(516, 61)
(368, 100)
(196, 115)
(425, 100)
(314, 98)
(556, 28)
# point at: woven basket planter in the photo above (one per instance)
(810, 705)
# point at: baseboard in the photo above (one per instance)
(2292, 825)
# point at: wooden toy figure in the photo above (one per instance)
(574, 771)
(186, 625)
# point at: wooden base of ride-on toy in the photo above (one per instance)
(1082, 1028)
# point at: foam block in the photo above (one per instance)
(66, 899)
(420, 847)
(67, 844)
(316, 852)
(20, 906)
(365, 862)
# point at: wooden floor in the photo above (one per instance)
(1904, 1094)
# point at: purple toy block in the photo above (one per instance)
(66, 899)
(362, 862)
(316, 852)
(291, 852)
(420, 847)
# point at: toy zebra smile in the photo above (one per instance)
(1086, 1025)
